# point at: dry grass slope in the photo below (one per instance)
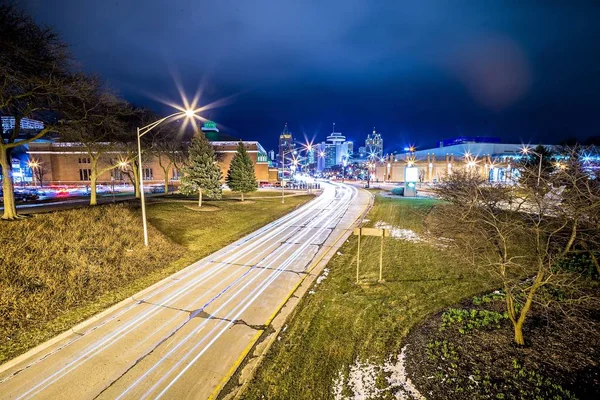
(53, 263)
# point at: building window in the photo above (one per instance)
(176, 174)
(85, 174)
(148, 174)
(84, 160)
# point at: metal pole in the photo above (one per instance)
(381, 259)
(282, 178)
(358, 255)
(142, 188)
(539, 171)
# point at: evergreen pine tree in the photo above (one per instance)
(201, 175)
(241, 177)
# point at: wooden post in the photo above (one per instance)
(358, 256)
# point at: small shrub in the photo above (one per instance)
(398, 191)
(443, 350)
(488, 298)
(580, 264)
(467, 320)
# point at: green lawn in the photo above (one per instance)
(202, 233)
(59, 268)
(343, 321)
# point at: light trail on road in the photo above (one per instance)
(150, 341)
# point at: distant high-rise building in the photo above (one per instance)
(310, 156)
(339, 148)
(286, 144)
(8, 123)
(374, 144)
(320, 154)
(330, 155)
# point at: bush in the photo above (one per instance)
(398, 191)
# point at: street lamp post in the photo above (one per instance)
(141, 132)
(527, 150)
(33, 165)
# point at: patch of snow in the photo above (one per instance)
(399, 233)
(323, 276)
(339, 254)
(362, 378)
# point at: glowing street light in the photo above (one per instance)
(188, 113)
(33, 165)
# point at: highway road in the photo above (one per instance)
(182, 337)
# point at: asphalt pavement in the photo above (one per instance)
(183, 337)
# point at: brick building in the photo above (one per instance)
(67, 163)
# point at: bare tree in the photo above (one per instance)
(520, 235)
(169, 150)
(97, 123)
(35, 78)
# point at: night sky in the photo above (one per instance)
(419, 71)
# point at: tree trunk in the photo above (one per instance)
(199, 198)
(519, 333)
(166, 184)
(93, 178)
(242, 196)
(518, 323)
(10, 210)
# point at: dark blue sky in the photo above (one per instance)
(418, 71)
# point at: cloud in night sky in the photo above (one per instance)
(418, 71)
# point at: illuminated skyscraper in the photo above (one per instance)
(374, 144)
(338, 149)
(286, 144)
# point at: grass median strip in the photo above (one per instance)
(60, 268)
(340, 324)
